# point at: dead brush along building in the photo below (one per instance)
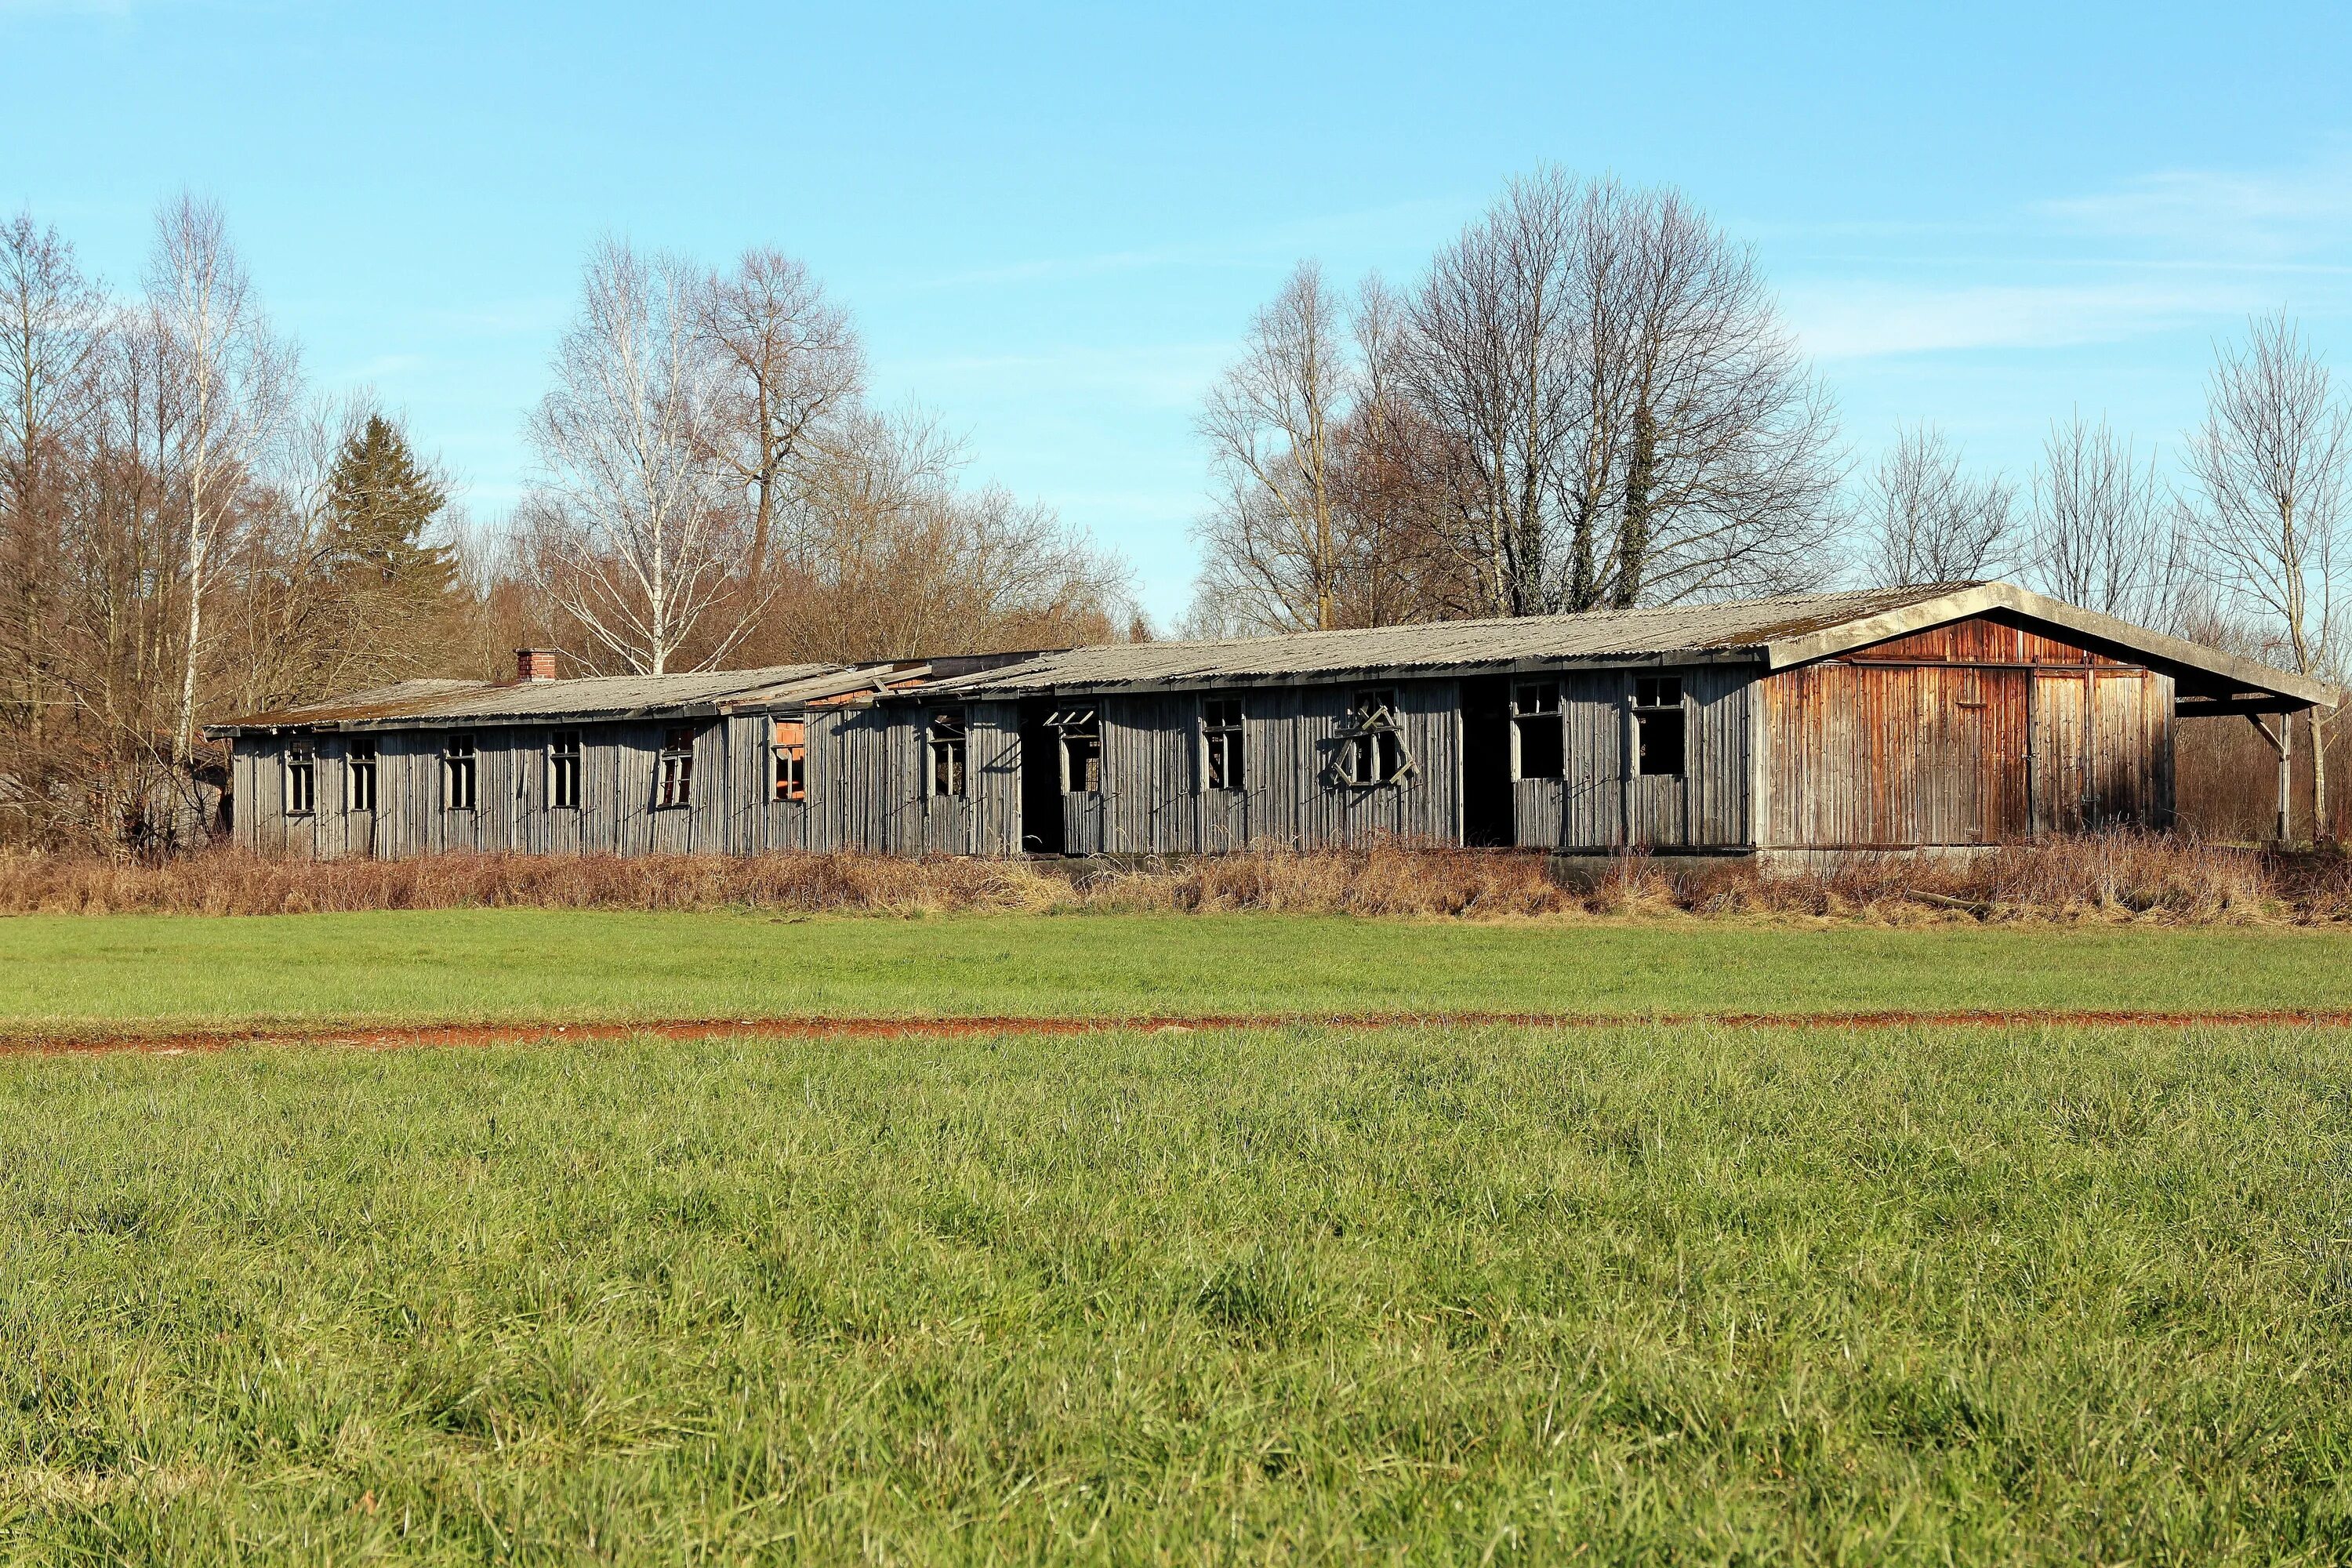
(1892, 719)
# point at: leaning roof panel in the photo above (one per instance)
(588, 697)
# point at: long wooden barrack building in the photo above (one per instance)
(1954, 714)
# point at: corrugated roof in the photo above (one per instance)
(1444, 644)
(466, 701)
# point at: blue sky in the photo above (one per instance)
(1052, 223)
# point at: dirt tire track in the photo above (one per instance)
(408, 1036)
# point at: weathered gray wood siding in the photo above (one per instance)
(1599, 802)
(616, 814)
(1964, 735)
(1152, 801)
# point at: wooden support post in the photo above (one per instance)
(2284, 744)
(2286, 779)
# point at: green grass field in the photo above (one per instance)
(1433, 1293)
(1653, 1294)
(64, 974)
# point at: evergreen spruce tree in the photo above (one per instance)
(383, 502)
(399, 589)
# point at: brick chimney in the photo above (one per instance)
(533, 665)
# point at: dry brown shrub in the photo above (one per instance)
(2100, 877)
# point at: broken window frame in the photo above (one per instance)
(359, 774)
(460, 771)
(1538, 731)
(1372, 753)
(1660, 727)
(1078, 746)
(674, 769)
(788, 760)
(947, 754)
(302, 790)
(565, 770)
(1224, 755)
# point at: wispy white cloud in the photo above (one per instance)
(1852, 318)
(2277, 214)
(2181, 249)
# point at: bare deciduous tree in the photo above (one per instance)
(895, 561)
(1625, 418)
(1926, 520)
(2271, 464)
(788, 362)
(2104, 534)
(1272, 424)
(231, 382)
(1729, 463)
(1492, 364)
(633, 531)
(52, 330)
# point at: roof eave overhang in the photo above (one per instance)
(2154, 647)
(1533, 665)
(294, 726)
(798, 694)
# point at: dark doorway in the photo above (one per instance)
(1041, 780)
(1486, 814)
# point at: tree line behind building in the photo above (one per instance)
(1587, 400)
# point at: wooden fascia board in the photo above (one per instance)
(1544, 665)
(2152, 646)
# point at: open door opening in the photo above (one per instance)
(1486, 806)
(1041, 782)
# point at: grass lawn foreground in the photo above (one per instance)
(69, 974)
(1649, 1292)
(1660, 1294)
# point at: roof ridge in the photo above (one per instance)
(1695, 606)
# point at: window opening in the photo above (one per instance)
(1221, 743)
(301, 779)
(675, 783)
(945, 741)
(359, 777)
(1371, 750)
(789, 776)
(563, 770)
(458, 761)
(1659, 725)
(1536, 746)
(1081, 733)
